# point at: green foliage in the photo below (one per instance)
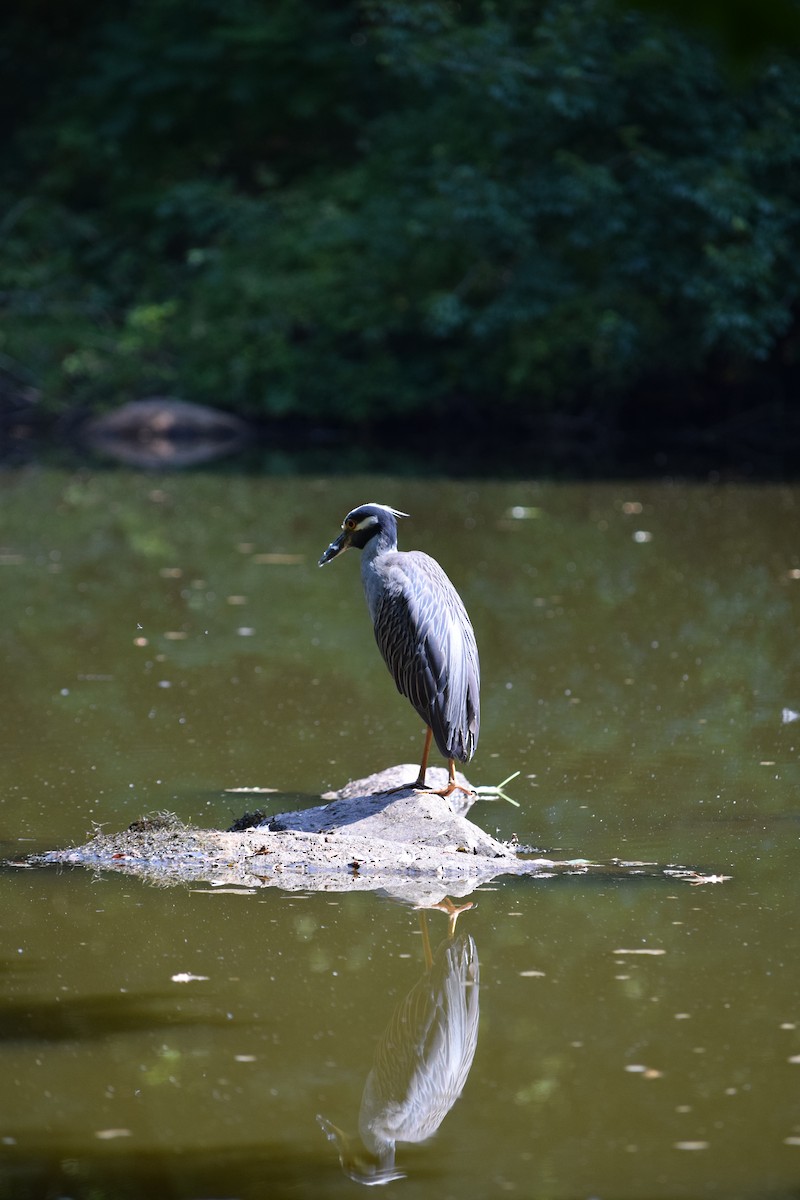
(366, 209)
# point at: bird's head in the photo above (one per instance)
(357, 1163)
(360, 525)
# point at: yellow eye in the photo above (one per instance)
(350, 523)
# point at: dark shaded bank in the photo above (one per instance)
(759, 441)
(367, 837)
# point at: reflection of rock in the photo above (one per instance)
(163, 432)
(421, 1065)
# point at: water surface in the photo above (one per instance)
(166, 638)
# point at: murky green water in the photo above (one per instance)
(165, 638)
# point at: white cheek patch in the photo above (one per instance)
(367, 522)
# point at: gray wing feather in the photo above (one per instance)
(426, 639)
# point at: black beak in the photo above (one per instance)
(341, 543)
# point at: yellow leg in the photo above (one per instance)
(419, 784)
(423, 766)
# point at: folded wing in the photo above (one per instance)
(426, 639)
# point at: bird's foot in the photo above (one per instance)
(425, 789)
(414, 786)
(452, 786)
(453, 911)
(419, 785)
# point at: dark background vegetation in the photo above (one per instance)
(359, 211)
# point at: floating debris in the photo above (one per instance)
(523, 512)
(240, 790)
(642, 951)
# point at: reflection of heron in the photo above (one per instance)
(423, 632)
(421, 1062)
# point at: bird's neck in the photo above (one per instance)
(381, 543)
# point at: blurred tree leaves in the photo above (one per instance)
(364, 210)
(745, 30)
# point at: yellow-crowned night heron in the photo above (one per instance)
(423, 632)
